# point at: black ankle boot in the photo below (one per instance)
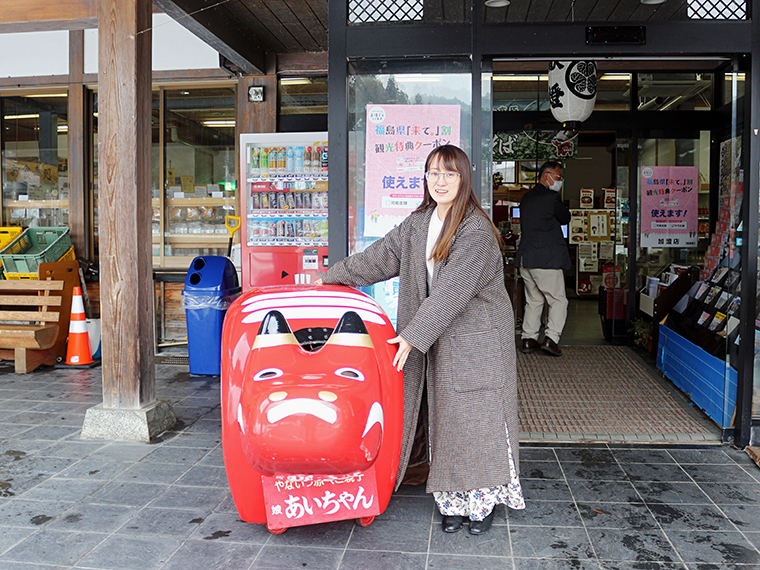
(481, 527)
(452, 523)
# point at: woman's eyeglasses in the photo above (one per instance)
(448, 177)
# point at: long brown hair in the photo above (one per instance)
(453, 159)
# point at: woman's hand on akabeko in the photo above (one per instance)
(404, 348)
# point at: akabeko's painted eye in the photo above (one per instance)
(267, 374)
(351, 373)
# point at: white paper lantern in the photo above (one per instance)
(572, 91)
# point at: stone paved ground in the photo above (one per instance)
(69, 503)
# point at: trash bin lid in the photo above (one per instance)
(211, 274)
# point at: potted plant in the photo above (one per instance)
(642, 333)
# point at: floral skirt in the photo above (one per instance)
(477, 504)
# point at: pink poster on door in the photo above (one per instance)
(669, 206)
(399, 139)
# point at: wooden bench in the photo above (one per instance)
(28, 329)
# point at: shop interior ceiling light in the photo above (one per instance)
(497, 3)
(652, 1)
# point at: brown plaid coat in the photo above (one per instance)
(464, 344)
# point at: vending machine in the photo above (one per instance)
(284, 199)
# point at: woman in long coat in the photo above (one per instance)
(455, 335)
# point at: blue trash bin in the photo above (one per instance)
(211, 285)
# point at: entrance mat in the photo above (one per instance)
(603, 394)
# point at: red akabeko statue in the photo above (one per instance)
(312, 408)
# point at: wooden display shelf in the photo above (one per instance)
(232, 201)
(36, 204)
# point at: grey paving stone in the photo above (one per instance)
(745, 517)
(541, 564)
(550, 543)
(545, 490)
(729, 474)
(127, 493)
(73, 490)
(182, 455)
(292, 557)
(540, 470)
(546, 513)
(174, 523)
(595, 472)
(119, 552)
(354, 559)
(589, 456)
(633, 545)
(202, 498)
(691, 517)
(53, 547)
(736, 494)
(327, 535)
(11, 536)
(608, 491)
(401, 508)
(675, 493)
(227, 527)
(660, 472)
(95, 469)
(714, 547)
(459, 562)
(623, 516)
(86, 517)
(199, 555)
(162, 473)
(391, 535)
(205, 476)
(624, 456)
(31, 514)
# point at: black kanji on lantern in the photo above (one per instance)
(555, 93)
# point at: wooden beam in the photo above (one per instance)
(40, 15)
(219, 28)
(124, 168)
(257, 117)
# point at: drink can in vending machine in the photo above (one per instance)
(254, 230)
(307, 228)
(323, 159)
(299, 200)
(265, 200)
(281, 201)
(272, 229)
(256, 199)
(307, 160)
(291, 200)
(290, 230)
(324, 200)
(315, 154)
(280, 228)
(281, 160)
(307, 200)
(264, 162)
(273, 200)
(264, 232)
(273, 161)
(299, 228)
(255, 161)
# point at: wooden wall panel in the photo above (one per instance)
(32, 15)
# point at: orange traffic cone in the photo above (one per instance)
(78, 349)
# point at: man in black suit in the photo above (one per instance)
(541, 257)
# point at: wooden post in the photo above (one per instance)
(79, 148)
(124, 96)
(129, 410)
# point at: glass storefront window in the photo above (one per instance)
(529, 92)
(379, 199)
(302, 95)
(198, 170)
(35, 160)
(675, 91)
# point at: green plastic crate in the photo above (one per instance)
(35, 246)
